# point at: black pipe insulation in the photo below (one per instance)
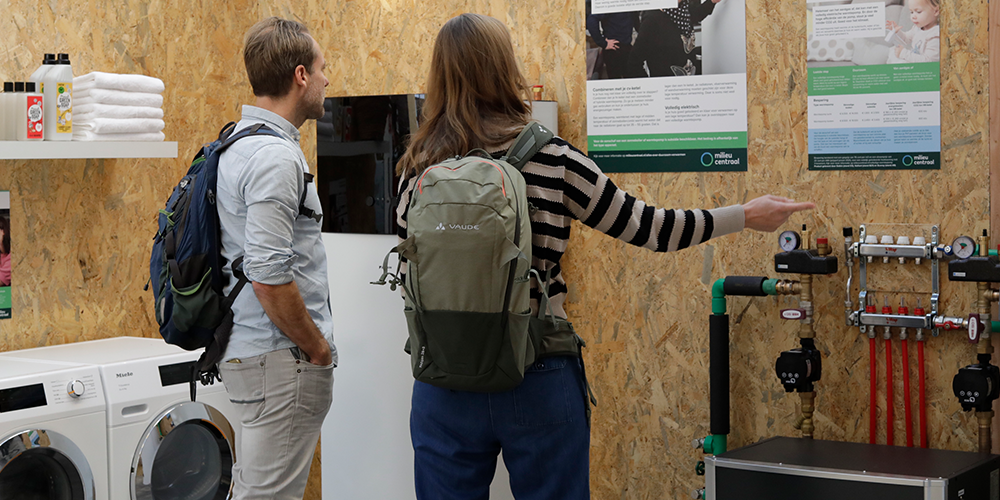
(718, 371)
(751, 286)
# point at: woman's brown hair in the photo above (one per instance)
(5, 241)
(475, 93)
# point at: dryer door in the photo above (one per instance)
(39, 464)
(187, 453)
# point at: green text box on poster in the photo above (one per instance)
(5, 302)
(876, 161)
(696, 152)
(672, 160)
(875, 79)
(660, 142)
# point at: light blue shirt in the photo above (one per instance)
(259, 189)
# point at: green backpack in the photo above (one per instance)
(468, 255)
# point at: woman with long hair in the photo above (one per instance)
(4, 251)
(476, 98)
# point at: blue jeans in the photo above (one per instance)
(541, 427)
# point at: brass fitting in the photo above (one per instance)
(985, 419)
(808, 402)
(983, 298)
(806, 330)
(823, 249)
(787, 287)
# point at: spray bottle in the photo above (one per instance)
(3, 115)
(9, 99)
(30, 114)
(48, 62)
(59, 97)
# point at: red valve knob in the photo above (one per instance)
(918, 311)
(821, 241)
(903, 310)
(870, 309)
(948, 325)
(886, 310)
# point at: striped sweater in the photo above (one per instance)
(564, 184)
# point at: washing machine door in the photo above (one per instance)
(187, 453)
(39, 464)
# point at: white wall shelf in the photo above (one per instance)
(57, 150)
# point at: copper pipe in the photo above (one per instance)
(985, 431)
(806, 330)
(983, 308)
(808, 402)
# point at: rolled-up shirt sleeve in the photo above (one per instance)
(272, 184)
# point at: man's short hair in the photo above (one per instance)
(272, 49)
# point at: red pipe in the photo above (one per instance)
(889, 417)
(922, 401)
(873, 404)
(906, 395)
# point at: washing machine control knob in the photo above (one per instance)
(76, 389)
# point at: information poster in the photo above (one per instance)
(613, 6)
(5, 255)
(874, 85)
(666, 87)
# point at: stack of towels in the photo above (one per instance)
(111, 107)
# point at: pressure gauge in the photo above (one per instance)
(789, 240)
(964, 247)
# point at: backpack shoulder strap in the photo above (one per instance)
(530, 141)
(257, 129)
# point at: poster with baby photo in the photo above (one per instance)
(874, 76)
(666, 87)
(4, 254)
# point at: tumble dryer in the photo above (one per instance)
(161, 445)
(53, 431)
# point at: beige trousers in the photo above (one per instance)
(281, 402)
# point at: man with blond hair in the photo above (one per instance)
(278, 365)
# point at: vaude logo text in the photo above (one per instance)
(462, 227)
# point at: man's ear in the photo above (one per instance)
(301, 75)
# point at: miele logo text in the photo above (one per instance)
(123, 375)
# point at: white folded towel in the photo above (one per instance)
(89, 111)
(112, 81)
(117, 97)
(117, 125)
(84, 135)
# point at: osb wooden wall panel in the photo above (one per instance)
(646, 316)
(83, 227)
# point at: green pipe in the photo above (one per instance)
(715, 444)
(992, 252)
(719, 297)
(770, 287)
(995, 325)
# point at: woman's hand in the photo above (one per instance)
(769, 212)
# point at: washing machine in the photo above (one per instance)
(53, 431)
(161, 445)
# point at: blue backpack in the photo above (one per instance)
(186, 264)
